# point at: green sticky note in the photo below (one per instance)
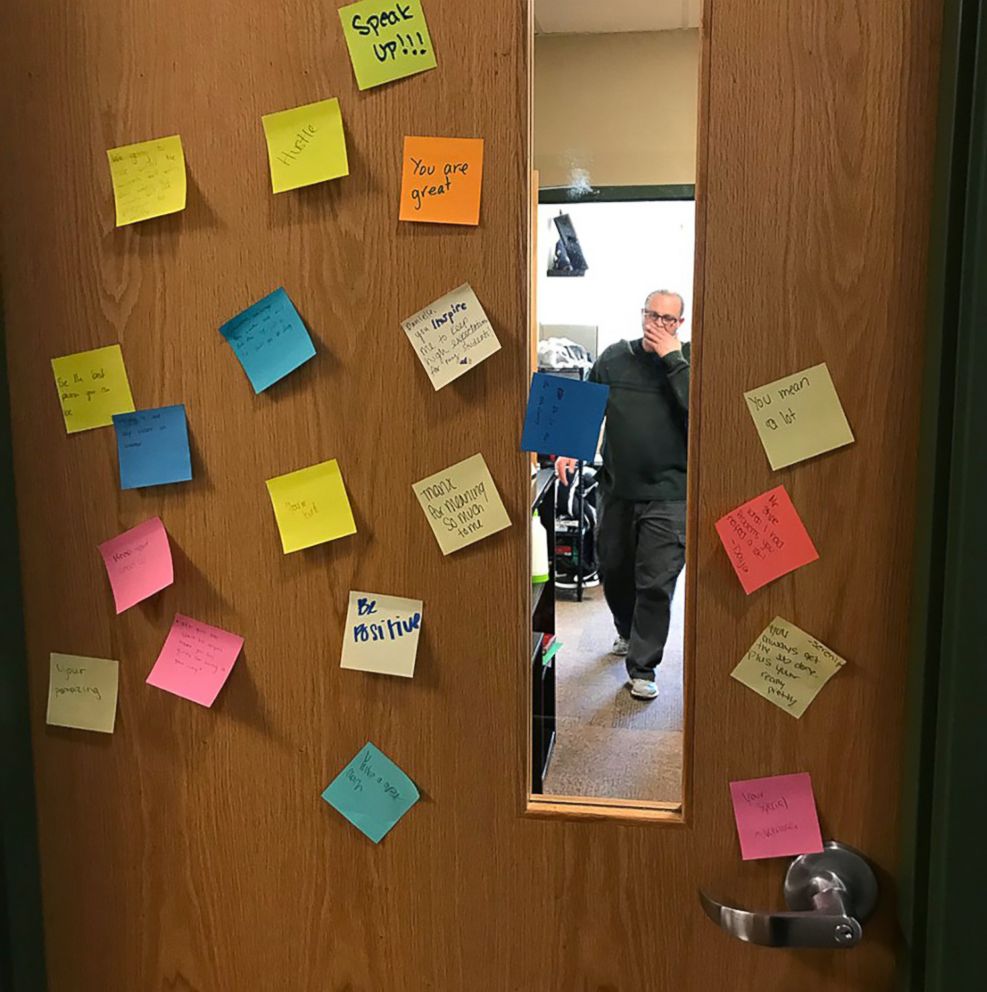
(306, 145)
(387, 40)
(372, 792)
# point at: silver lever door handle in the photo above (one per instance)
(829, 895)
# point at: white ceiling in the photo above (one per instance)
(608, 16)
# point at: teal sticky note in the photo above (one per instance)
(372, 792)
(269, 339)
(153, 447)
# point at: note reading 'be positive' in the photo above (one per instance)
(305, 145)
(564, 416)
(381, 634)
(138, 563)
(451, 336)
(776, 817)
(799, 417)
(387, 40)
(92, 386)
(765, 539)
(441, 180)
(787, 666)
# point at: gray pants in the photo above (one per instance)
(641, 547)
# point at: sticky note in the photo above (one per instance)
(387, 40)
(92, 386)
(776, 817)
(82, 692)
(152, 447)
(462, 504)
(765, 539)
(195, 661)
(441, 180)
(269, 340)
(799, 417)
(148, 179)
(138, 563)
(564, 416)
(787, 666)
(305, 145)
(371, 792)
(311, 506)
(381, 634)
(451, 336)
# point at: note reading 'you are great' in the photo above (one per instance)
(776, 816)
(765, 539)
(787, 667)
(387, 40)
(311, 506)
(462, 504)
(148, 179)
(799, 417)
(92, 386)
(82, 692)
(381, 634)
(305, 145)
(441, 180)
(451, 336)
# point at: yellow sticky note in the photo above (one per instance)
(148, 179)
(462, 504)
(799, 417)
(311, 506)
(381, 634)
(787, 667)
(387, 40)
(82, 692)
(92, 386)
(306, 145)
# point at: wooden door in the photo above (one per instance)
(191, 850)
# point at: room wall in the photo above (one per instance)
(621, 107)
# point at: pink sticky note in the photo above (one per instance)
(196, 660)
(138, 562)
(765, 539)
(776, 817)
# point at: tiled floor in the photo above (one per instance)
(609, 744)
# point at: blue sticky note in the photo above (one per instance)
(152, 446)
(269, 340)
(564, 416)
(372, 792)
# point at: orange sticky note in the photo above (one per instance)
(765, 539)
(441, 180)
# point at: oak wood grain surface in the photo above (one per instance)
(190, 851)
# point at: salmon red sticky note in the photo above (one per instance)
(196, 660)
(765, 539)
(776, 817)
(92, 386)
(306, 145)
(441, 180)
(138, 563)
(148, 179)
(387, 40)
(311, 506)
(82, 692)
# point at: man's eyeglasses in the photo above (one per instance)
(665, 319)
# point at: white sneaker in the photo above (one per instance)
(619, 647)
(643, 689)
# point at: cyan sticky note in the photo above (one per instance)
(269, 340)
(564, 416)
(372, 792)
(152, 446)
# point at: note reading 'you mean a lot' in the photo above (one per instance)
(462, 504)
(381, 634)
(138, 563)
(387, 40)
(787, 667)
(305, 145)
(196, 660)
(372, 792)
(148, 179)
(799, 417)
(451, 336)
(92, 386)
(765, 539)
(776, 816)
(82, 692)
(441, 180)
